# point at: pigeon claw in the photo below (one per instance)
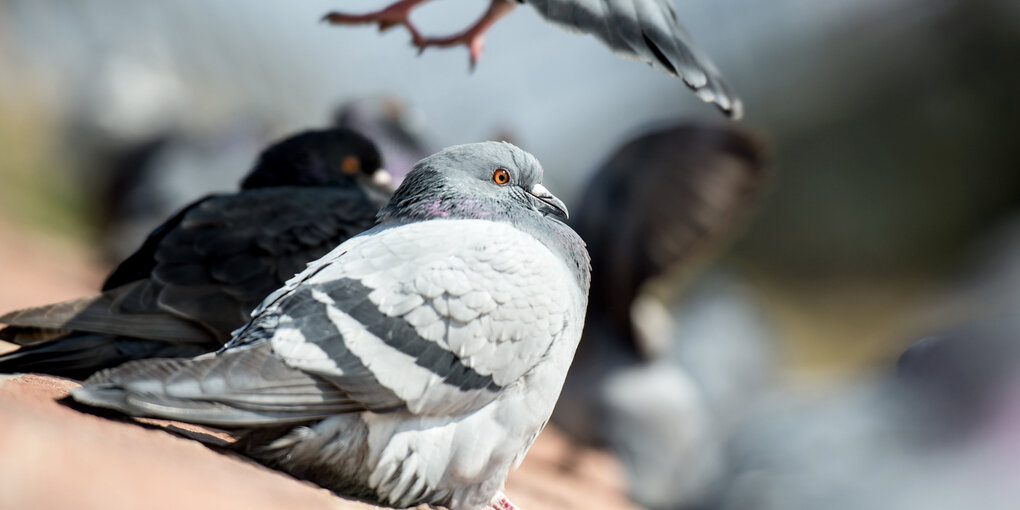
(473, 41)
(396, 14)
(501, 502)
(399, 14)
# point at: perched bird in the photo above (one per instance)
(645, 30)
(416, 362)
(644, 381)
(198, 276)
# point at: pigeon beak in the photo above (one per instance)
(378, 186)
(380, 181)
(549, 203)
(382, 178)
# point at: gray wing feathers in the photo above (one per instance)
(248, 386)
(117, 312)
(646, 30)
(466, 320)
(374, 325)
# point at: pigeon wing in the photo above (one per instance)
(436, 317)
(229, 253)
(198, 276)
(645, 30)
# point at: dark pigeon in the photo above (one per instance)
(661, 204)
(198, 276)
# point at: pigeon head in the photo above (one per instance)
(488, 180)
(331, 157)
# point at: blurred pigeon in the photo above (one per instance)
(416, 362)
(938, 431)
(396, 128)
(867, 442)
(660, 201)
(645, 30)
(198, 276)
(964, 370)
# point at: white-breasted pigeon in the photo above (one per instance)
(198, 276)
(416, 362)
(645, 30)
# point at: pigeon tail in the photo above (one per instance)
(80, 355)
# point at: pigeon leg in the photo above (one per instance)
(472, 37)
(396, 14)
(501, 502)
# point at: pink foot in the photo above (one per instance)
(396, 14)
(501, 502)
(472, 37)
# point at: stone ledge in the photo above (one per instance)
(54, 457)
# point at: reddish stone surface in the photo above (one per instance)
(36, 269)
(56, 458)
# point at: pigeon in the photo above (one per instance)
(661, 203)
(644, 30)
(197, 277)
(416, 362)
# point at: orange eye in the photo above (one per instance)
(500, 176)
(350, 165)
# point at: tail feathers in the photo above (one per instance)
(247, 386)
(79, 355)
(127, 310)
(30, 335)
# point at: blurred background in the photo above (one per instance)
(892, 214)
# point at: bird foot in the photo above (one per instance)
(399, 14)
(501, 502)
(396, 14)
(472, 37)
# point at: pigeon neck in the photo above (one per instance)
(552, 233)
(563, 241)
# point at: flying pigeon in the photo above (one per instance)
(198, 276)
(416, 362)
(645, 30)
(661, 202)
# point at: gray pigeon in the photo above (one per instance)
(198, 276)
(645, 30)
(416, 362)
(658, 204)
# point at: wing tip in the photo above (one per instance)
(104, 395)
(717, 93)
(735, 110)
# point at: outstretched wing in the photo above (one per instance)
(645, 30)
(437, 317)
(199, 275)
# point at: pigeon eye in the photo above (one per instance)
(500, 176)
(350, 165)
